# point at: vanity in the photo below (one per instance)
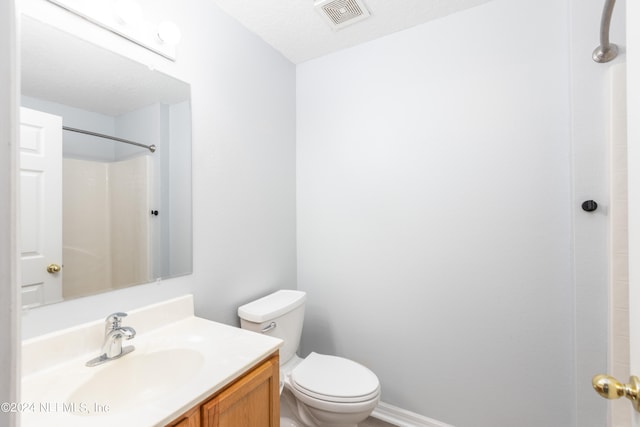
(184, 371)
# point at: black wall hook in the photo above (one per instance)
(154, 212)
(589, 206)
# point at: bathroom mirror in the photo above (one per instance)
(126, 211)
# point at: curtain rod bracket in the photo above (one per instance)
(606, 51)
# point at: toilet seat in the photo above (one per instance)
(334, 379)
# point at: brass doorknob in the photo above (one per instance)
(53, 268)
(610, 388)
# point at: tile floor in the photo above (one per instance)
(288, 419)
(374, 422)
(369, 422)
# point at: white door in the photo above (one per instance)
(40, 207)
(633, 127)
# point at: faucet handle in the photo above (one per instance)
(113, 320)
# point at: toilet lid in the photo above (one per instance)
(334, 379)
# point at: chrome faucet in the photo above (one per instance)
(113, 334)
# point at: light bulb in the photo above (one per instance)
(169, 33)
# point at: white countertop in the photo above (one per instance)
(201, 355)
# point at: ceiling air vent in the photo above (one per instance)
(340, 13)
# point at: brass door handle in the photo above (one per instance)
(610, 388)
(53, 268)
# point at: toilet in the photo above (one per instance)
(327, 391)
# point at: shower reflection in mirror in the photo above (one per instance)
(109, 238)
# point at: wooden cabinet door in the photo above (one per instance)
(252, 401)
(190, 419)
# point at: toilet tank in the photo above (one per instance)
(280, 315)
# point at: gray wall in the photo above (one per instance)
(434, 214)
(244, 162)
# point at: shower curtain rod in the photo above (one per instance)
(606, 51)
(151, 147)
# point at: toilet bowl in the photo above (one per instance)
(332, 391)
(324, 390)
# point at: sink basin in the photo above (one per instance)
(179, 361)
(136, 378)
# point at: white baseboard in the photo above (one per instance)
(403, 418)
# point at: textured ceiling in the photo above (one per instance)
(295, 28)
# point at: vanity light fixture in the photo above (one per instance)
(125, 19)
